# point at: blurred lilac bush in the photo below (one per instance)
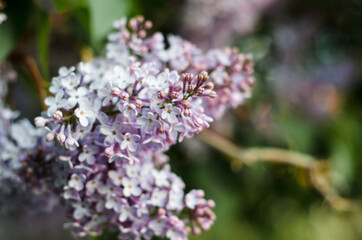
(213, 23)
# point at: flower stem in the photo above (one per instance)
(318, 169)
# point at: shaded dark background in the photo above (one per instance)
(307, 98)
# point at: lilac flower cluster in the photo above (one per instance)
(213, 23)
(19, 145)
(114, 118)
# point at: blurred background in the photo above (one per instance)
(307, 98)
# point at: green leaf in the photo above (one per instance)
(43, 34)
(68, 5)
(102, 15)
(12, 29)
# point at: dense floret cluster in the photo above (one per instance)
(109, 123)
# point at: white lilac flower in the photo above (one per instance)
(88, 154)
(85, 114)
(55, 103)
(148, 122)
(116, 177)
(125, 213)
(170, 113)
(175, 200)
(131, 187)
(161, 178)
(70, 81)
(76, 96)
(113, 202)
(130, 142)
(158, 225)
(112, 132)
(108, 189)
(193, 198)
(80, 211)
(129, 110)
(64, 71)
(77, 181)
(159, 197)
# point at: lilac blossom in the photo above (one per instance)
(113, 119)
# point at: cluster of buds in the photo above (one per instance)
(110, 121)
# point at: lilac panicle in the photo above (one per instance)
(100, 144)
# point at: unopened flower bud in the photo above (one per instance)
(174, 95)
(142, 34)
(109, 152)
(203, 76)
(148, 24)
(177, 88)
(116, 91)
(209, 86)
(186, 104)
(190, 88)
(161, 212)
(138, 103)
(212, 94)
(162, 129)
(140, 19)
(61, 137)
(211, 203)
(187, 113)
(126, 36)
(58, 115)
(196, 231)
(40, 122)
(50, 136)
(200, 91)
(144, 49)
(124, 96)
(161, 95)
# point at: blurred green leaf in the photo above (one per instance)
(12, 29)
(102, 15)
(68, 5)
(43, 34)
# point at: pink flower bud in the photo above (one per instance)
(174, 95)
(162, 129)
(138, 103)
(40, 122)
(109, 152)
(211, 203)
(161, 95)
(200, 91)
(148, 24)
(161, 212)
(144, 49)
(58, 116)
(186, 104)
(196, 231)
(116, 91)
(212, 94)
(190, 88)
(177, 88)
(124, 96)
(187, 113)
(50, 136)
(209, 86)
(61, 137)
(200, 193)
(140, 19)
(142, 34)
(126, 36)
